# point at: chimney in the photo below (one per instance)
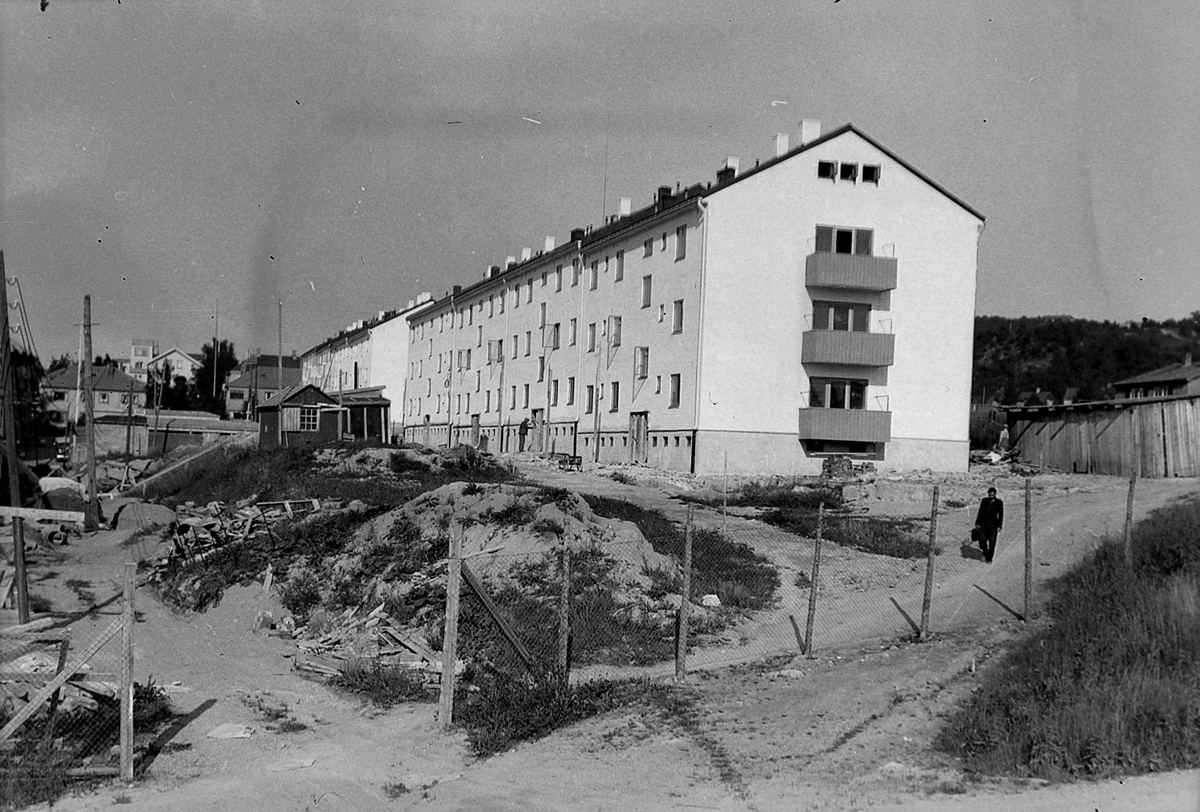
(382, 313)
(663, 197)
(727, 172)
(810, 130)
(457, 289)
(425, 296)
(411, 304)
(548, 245)
(577, 234)
(625, 206)
(509, 262)
(781, 144)
(526, 254)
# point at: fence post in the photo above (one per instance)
(1028, 548)
(725, 498)
(684, 600)
(812, 589)
(924, 633)
(450, 636)
(564, 612)
(1129, 521)
(127, 621)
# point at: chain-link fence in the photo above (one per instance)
(66, 705)
(612, 608)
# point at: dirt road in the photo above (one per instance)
(847, 730)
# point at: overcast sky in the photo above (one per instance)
(342, 157)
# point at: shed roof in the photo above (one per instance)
(1175, 373)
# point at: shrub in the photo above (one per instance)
(382, 685)
(301, 593)
(401, 463)
(896, 538)
(517, 513)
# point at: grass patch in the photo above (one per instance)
(782, 495)
(82, 590)
(382, 685)
(732, 571)
(895, 538)
(1112, 686)
(507, 710)
(40, 604)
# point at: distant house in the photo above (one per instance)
(179, 362)
(1035, 397)
(1177, 379)
(366, 414)
(141, 351)
(257, 379)
(307, 415)
(111, 390)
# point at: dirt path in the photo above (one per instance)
(847, 730)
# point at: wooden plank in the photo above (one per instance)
(494, 611)
(25, 628)
(36, 701)
(36, 514)
(409, 642)
(6, 582)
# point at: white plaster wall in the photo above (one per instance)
(756, 304)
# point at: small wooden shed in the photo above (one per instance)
(298, 416)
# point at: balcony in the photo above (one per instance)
(845, 347)
(848, 425)
(850, 271)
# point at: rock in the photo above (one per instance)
(711, 601)
(265, 620)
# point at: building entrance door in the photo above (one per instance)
(475, 431)
(639, 436)
(537, 431)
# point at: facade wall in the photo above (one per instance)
(757, 307)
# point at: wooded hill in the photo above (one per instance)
(1054, 353)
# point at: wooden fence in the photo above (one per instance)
(1146, 437)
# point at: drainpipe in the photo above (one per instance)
(702, 202)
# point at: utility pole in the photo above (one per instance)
(90, 513)
(279, 368)
(128, 423)
(216, 345)
(20, 582)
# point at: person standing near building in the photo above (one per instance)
(1002, 443)
(989, 521)
(522, 433)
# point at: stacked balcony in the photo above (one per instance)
(850, 272)
(845, 425)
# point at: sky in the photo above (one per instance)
(192, 163)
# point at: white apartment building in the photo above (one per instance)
(367, 355)
(819, 303)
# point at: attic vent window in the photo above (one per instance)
(870, 173)
(848, 172)
(827, 169)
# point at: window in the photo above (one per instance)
(554, 392)
(464, 359)
(528, 342)
(848, 172)
(846, 316)
(615, 400)
(478, 379)
(619, 273)
(641, 362)
(542, 316)
(502, 297)
(573, 332)
(471, 314)
(541, 368)
(479, 337)
(513, 405)
(458, 404)
(590, 402)
(487, 401)
(677, 316)
(575, 272)
(308, 418)
(870, 173)
(543, 279)
(827, 170)
(558, 278)
(673, 393)
(495, 352)
(831, 240)
(554, 331)
(529, 293)
(594, 275)
(515, 345)
(663, 242)
(591, 340)
(614, 331)
(571, 391)
(517, 296)
(525, 397)
(837, 393)
(103, 397)
(647, 288)
(491, 306)
(648, 247)
(680, 243)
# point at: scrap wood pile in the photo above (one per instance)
(198, 532)
(33, 654)
(375, 637)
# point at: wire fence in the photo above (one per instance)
(818, 581)
(66, 706)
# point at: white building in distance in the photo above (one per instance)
(820, 303)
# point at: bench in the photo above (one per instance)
(568, 462)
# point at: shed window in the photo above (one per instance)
(308, 418)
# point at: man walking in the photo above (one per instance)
(989, 521)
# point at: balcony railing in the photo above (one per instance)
(850, 425)
(850, 271)
(846, 347)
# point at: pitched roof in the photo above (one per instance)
(1174, 373)
(286, 394)
(104, 379)
(265, 378)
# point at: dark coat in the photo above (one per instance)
(991, 514)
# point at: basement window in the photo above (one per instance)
(827, 170)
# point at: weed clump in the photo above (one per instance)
(382, 685)
(1111, 687)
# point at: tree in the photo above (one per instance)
(61, 362)
(226, 362)
(31, 419)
